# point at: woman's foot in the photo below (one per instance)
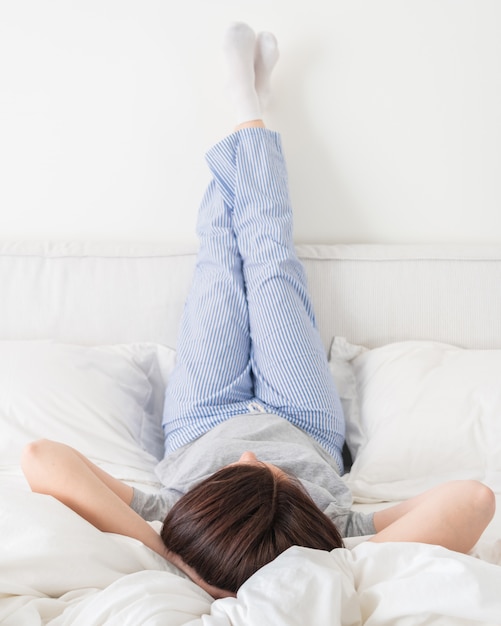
(239, 47)
(250, 61)
(265, 58)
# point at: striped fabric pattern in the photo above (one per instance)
(248, 335)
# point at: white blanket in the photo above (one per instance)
(57, 569)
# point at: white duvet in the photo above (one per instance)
(57, 569)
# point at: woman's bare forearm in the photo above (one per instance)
(453, 515)
(58, 470)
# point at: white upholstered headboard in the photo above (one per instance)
(371, 294)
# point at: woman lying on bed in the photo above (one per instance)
(253, 424)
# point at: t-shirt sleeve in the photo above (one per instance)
(351, 523)
(150, 506)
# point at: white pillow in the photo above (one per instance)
(106, 401)
(419, 413)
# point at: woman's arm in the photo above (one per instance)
(453, 515)
(61, 471)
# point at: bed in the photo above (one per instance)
(87, 343)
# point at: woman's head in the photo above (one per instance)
(241, 518)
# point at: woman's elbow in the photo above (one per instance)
(35, 463)
(483, 501)
(479, 504)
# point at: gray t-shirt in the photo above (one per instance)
(273, 440)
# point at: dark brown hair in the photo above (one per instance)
(239, 519)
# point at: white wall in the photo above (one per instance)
(390, 112)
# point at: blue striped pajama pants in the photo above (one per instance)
(248, 336)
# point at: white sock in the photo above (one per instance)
(265, 57)
(239, 46)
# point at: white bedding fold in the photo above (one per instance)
(374, 585)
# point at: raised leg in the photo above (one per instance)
(249, 329)
(289, 364)
(212, 379)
